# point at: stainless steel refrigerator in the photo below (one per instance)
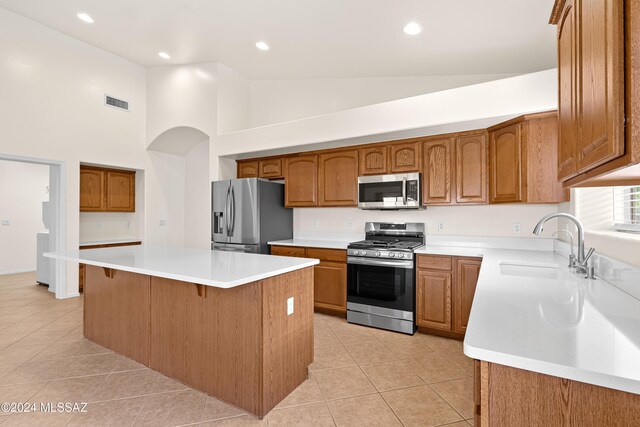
(247, 213)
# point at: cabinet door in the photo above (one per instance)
(338, 179)
(248, 169)
(330, 286)
(540, 136)
(405, 157)
(271, 168)
(301, 181)
(471, 169)
(505, 151)
(121, 191)
(567, 93)
(92, 190)
(467, 270)
(373, 160)
(434, 300)
(437, 172)
(601, 75)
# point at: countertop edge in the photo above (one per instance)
(223, 285)
(309, 243)
(561, 371)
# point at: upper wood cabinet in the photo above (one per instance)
(523, 160)
(373, 160)
(93, 184)
(467, 271)
(248, 169)
(597, 41)
(338, 178)
(601, 78)
(301, 181)
(270, 168)
(107, 190)
(437, 174)
(405, 157)
(455, 170)
(471, 168)
(506, 164)
(121, 189)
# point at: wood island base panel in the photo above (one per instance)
(238, 344)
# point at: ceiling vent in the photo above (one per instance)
(110, 101)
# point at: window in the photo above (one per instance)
(626, 208)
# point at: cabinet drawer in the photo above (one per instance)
(332, 255)
(433, 262)
(287, 251)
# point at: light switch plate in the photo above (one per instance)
(289, 306)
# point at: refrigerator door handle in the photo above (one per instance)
(227, 212)
(233, 208)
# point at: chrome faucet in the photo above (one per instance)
(582, 259)
(572, 255)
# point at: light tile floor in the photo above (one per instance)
(360, 376)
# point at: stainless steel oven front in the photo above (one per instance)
(399, 191)
(381, 293)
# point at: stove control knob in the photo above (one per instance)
(363, 252)
(392, 254)
(378, 253)
(400, 255)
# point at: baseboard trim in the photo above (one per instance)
(6, 273)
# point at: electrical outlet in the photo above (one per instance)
(350, 223)
(98, 225)
(6, 222)
(440, 226)
(516, 227)
(316, 223)
(289, 306)
(163, 223)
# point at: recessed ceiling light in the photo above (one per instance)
(412, 28)
(86, 18)
(262, 46)
(164, 55)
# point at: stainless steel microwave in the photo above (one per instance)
(399, 191)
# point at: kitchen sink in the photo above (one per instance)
(538, 270)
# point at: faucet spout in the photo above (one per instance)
(540, 226)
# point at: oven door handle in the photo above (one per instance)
(380, 262)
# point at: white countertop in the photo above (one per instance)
(213, 268)
(550, 321)
(109, 242)
(312, 243)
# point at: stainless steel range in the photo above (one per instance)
(381, 276)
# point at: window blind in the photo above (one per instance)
(626, 208)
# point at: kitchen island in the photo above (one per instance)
(236, 326)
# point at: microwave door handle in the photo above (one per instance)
(404, 191)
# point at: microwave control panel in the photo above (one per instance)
(412, 190)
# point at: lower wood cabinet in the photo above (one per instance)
(507, 396)
(445, 287)
(329, 277)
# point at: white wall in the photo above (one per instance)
(511, 96)
(197, 198)
(52, 107)
(234, 100)
(276, 101)
(23, 188)
(481, 220)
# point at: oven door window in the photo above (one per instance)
(373, 192)
(381, 286)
